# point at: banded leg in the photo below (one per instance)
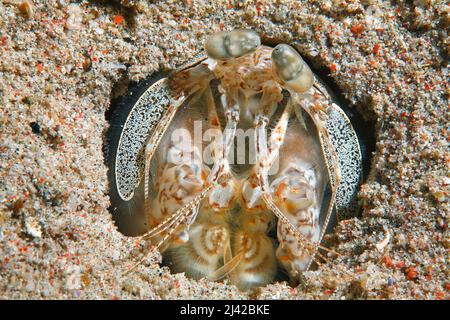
(265, 162)
(200, 256)
(278, 135)
(262, 173)
(182, 214)
(221, 162)
(220, 166)
(172, 223)
(318, 114)
(187, 83)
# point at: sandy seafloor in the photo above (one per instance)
(60, 62)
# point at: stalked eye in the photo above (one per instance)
(232, 44)
(290, 70)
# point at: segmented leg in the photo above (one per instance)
(171, 173)
(263, 168)
(221, 162)
(184, 84)
(174, 221)
(168, 222)
(267, 159)
(232, 115)
(220, 165)
(278, 135)
(209, 235)
(305, 244)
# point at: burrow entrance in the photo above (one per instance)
(124, 96)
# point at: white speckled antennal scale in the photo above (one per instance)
(216, 219)
(133, 122)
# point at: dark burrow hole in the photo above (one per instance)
(125, 95)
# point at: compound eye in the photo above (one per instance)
(232, 44)
(290, 70)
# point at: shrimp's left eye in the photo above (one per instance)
(290, 69)
(232, 44)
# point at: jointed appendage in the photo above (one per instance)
(184, 87)
(295, 76)
(221, 164)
